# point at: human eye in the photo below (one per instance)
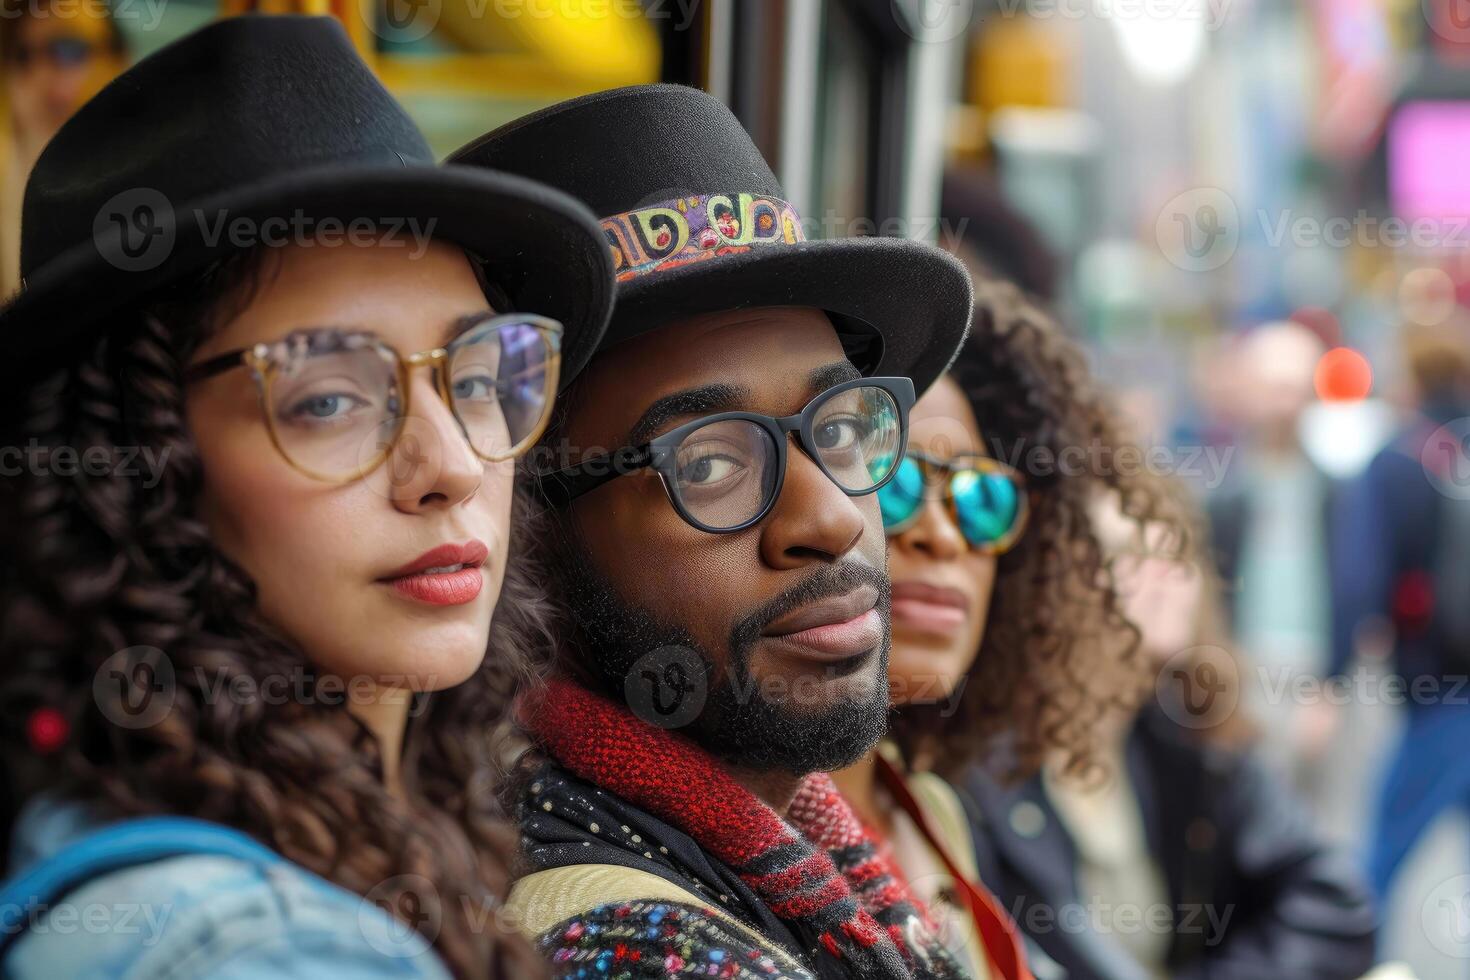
(323, 408)
(840, 433)
(703, 467)
(476, 388)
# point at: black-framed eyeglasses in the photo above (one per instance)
(985, 498)
(336, 400)
(724, 472)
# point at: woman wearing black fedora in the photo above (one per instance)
(263, 606)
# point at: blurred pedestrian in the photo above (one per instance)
(1403, 573)
(55, 55)
(1185, 857)
(1270, 527)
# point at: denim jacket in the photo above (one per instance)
(201, 916)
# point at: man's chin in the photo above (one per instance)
(802, 756)
(828, 726)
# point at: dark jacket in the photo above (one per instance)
(1256, 893)
(1387, 529)
(1230, 512)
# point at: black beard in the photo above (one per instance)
(643, 662)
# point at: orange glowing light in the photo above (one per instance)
(1343, 375)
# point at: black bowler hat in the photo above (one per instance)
(697, 223)
(257, 129)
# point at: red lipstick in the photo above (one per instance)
(448, 575)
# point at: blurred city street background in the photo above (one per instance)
(1254, 214)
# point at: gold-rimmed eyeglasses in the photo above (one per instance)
(336, 400)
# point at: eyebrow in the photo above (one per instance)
(462, 323)
(703, 400)
(711, 399)
(831, 375)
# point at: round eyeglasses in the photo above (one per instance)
(984, 497)
(724, 472)
(336, 401)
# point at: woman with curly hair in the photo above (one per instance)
(264, 602)
(1031, 614)
(1006, 627)
(1188, 859)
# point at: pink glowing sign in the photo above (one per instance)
(1429, 160)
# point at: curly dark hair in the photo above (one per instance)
(102, 564)
(1058, 656)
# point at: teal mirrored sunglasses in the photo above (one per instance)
(984, 497)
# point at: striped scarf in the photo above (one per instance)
(821, 870)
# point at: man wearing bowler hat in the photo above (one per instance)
(711, 477)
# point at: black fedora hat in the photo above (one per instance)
(697, 223)
(262, 130)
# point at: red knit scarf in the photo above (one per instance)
(860, 910)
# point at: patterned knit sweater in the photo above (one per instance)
(815, 898)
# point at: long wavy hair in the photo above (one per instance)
(101, 564)
(1058, 657)
(1212, 655)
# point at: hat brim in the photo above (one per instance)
(916, 297)
(541, 244)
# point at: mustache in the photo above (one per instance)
(829, 581)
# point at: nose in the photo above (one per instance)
(432, 464)
(933, 534)
(812, 519)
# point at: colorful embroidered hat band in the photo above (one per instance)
(691, 229)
